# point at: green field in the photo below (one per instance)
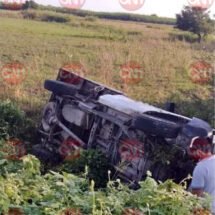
(102, 46)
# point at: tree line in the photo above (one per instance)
(193, 19)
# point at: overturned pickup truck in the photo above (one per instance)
(134, 136)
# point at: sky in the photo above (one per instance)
(165, 8)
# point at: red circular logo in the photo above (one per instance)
(131, 149)
(72, 4)
(13, 73)
(13, 4)
(201, 3)
(131, 73)
(132, 5)
(201, 72)
(14, 1)
(71, 73)
(14, 149)
(70, 149)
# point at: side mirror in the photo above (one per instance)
(170, 106)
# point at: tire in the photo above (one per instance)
(156, 126)
(60, 88)
(46, 156)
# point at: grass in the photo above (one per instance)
(102, 46)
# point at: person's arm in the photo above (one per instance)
(198, 181)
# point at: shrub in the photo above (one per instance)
(90, 18)
(45, 16)
(13, 122)
(55, 18)
(196, 20)
(183, 36)
(98, 166)
(26, 191)
(29, 14)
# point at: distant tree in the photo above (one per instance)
(195, 20)
(30, 5)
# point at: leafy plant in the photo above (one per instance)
(195, 20)
(26, 191)
(13, 122)
(96, 163)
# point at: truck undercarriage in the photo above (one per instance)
(134, 136)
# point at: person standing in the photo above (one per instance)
(203, 180)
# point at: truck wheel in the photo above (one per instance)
(46, 156)
(60, 88)
(157, 126)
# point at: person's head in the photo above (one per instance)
(200, 148)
